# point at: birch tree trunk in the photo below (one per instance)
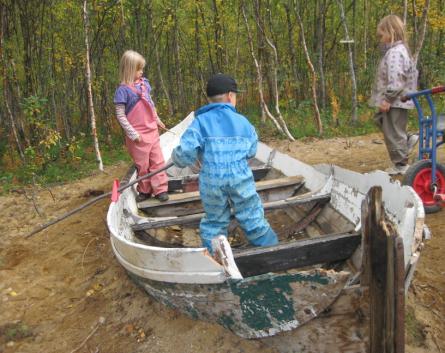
(158, 61)
(351, 61)
(89, 89)
(414, 17)
(421, 37)
(321, 38)
(313, 74)
(365, 33)
(292, 52)
(405, 11)
(19, 121)
(264, 109)
(217, 29)
(275, 82)
(179, 71)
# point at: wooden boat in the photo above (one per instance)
(309, 284)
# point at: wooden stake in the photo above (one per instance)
(383, 270)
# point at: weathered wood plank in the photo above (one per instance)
(188, 197)
(374, 274)
(298, 213)
(296, 254)
(194, 218)
(384, 273)
(149, 239)
(175, 184)
(332, 221)
(389, 308)
(304, 221)
(193, 205)
(399, 287)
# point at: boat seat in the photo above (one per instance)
(186, 197)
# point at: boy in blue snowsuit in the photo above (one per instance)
(223, 140)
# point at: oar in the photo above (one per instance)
(165, 129)
(92, 201)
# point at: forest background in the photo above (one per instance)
(306, 69)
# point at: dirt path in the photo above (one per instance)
(63, 291)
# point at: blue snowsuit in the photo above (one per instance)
(223, 140)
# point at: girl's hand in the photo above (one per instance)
(160, 124)
(138, 139)
(384, 107)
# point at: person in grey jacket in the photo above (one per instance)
(396, 76)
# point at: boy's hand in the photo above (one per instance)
(384, 107)
(196, 167)
(138, 139)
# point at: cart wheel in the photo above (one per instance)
(418, 176)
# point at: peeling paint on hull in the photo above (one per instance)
(255, 307)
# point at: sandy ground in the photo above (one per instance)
(63, 291)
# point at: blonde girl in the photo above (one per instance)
(137, 115)
(396, 76)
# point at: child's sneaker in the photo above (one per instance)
(163, 196)
(412, 142)
(397, 169)
(142, 197)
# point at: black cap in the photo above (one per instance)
(220, 84)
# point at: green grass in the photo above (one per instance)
(301, 123)
(62, 169)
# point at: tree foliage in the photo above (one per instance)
(43, 59)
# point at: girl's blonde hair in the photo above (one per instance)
(394, 28)
(130, 63)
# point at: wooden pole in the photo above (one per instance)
(383, 271)
(93, 201)
(399, 288)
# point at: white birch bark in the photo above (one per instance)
(275, 84)
(351, 61)
(313, 74)
(423, 26)
(405, 11)
(264, 108)
(89, 89)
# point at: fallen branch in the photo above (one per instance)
(101, 321)
(33, 199)
(93, 201)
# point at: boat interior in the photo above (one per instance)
(311, 232)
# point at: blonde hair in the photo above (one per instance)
(394, 28)
(130, 63)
